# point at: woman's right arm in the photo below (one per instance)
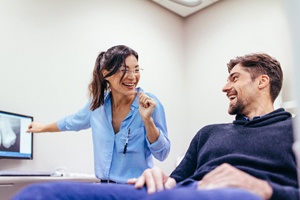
(73, 122)
(36, 127)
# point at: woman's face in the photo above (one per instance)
(126, 86)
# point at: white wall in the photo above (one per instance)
(48, 50)
(223, 31)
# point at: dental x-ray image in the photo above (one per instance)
(9, 134)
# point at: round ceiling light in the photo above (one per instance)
(188, 3)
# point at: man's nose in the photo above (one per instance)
(226, 87)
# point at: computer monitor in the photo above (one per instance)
(15, 142)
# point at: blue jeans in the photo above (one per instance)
(88, 191)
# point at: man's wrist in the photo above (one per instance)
(266, 190)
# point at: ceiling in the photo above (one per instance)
(181, 10)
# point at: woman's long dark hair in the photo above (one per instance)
(111, 60)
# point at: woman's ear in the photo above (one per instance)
(104, 73)
(264, 81)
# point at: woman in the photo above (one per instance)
(128, 125)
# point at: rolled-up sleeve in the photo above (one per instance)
(160, 149)
(77, 121)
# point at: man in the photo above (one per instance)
(251, 158)
(255, 151)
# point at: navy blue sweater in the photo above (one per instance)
(261, 147)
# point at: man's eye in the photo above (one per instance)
(136, 70)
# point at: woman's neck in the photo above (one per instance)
(121, 100)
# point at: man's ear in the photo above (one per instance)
(264, 81)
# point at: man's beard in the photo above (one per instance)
(238, 108)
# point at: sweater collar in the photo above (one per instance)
(274, 116)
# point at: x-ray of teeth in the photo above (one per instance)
(9, 127)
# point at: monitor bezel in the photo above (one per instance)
(19, 157)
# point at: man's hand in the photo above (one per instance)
(154, 179)
(228, 176)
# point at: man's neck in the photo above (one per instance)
(259, 111)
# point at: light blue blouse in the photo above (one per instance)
(109, 159)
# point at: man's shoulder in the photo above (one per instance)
(214, 128)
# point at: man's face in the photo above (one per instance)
(241, 90)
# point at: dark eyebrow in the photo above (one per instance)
(134, 67)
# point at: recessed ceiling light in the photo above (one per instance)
(188, 3)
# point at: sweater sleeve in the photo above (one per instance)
(284, 192)
(187, 166)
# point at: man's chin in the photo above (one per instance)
(231, 113)
(232, 110)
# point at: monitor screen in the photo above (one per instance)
(15, 142)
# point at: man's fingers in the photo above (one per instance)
(140, 182)
(158, 179)
(150, 182)
(154, 179)
(132, 181)
(170, 183)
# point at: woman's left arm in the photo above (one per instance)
(146, 108)
(153, 116)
